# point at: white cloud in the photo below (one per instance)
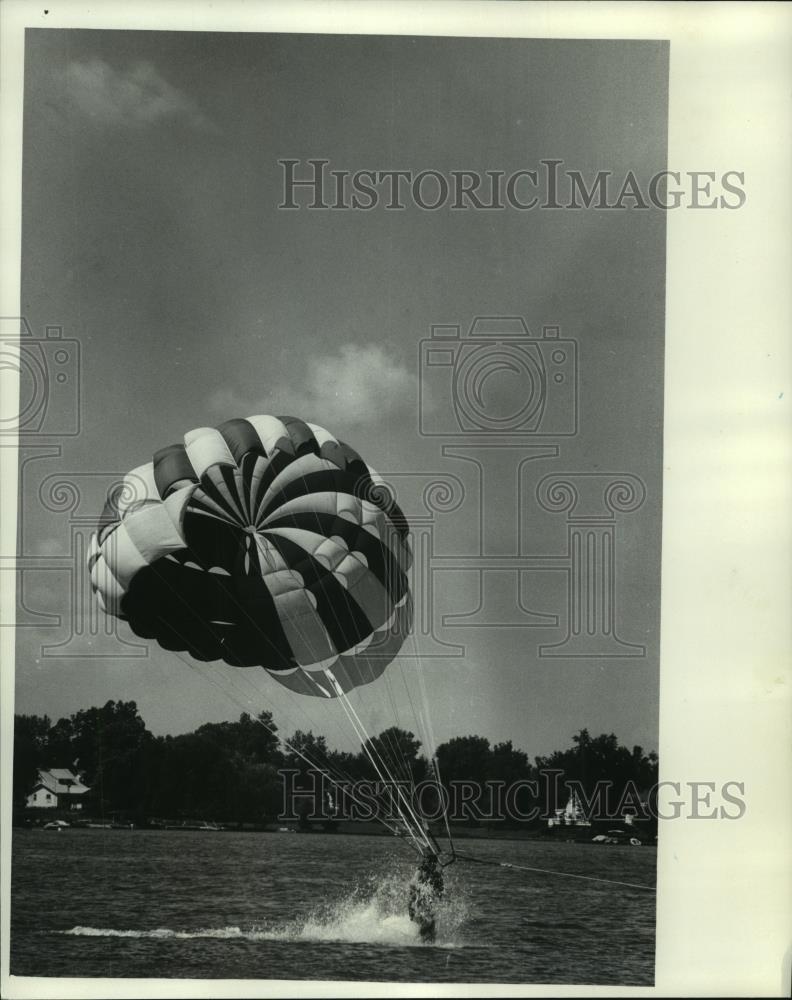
(135, 97)
(360, 384)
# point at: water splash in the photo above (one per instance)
(376, 913)
(373, 913)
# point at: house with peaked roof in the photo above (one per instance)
(58, 788)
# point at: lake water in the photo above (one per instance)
(277, 906)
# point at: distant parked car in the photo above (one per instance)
(56, 824)
(615, 837)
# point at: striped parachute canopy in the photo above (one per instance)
(262, 542)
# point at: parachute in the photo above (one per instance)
(264, 542)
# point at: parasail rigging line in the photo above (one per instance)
(339, 776)
(417, 715)
(398, 758)
(385, 738)
(426, 719)
(370, 748)
(444, 804)
(273, 731)
(324, 766)
(389, 740)
(364, 737)
(427, 742)
(406, 769)
(286, 743)
(256, 626)
(365, 740)
(416, 831)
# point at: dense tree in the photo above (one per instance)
(106, 746)
(464, 758)
(223, 771)
(601, 759)
(229, 771)
(398, 750)
(464, 763)
(347, 766)
(31, 741)
(506, 763)
(305, 752)
(251, 739)
(505, 767)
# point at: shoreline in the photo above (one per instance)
(647, 838)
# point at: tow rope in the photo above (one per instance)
(550, 871)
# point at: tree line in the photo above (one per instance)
(232, 772)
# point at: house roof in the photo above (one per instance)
(62, 772)
(61, 781)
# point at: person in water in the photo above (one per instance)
(426, 890)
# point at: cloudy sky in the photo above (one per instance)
(151, 234)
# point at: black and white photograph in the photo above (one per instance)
(352, 492)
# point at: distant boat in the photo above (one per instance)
(572, 815)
